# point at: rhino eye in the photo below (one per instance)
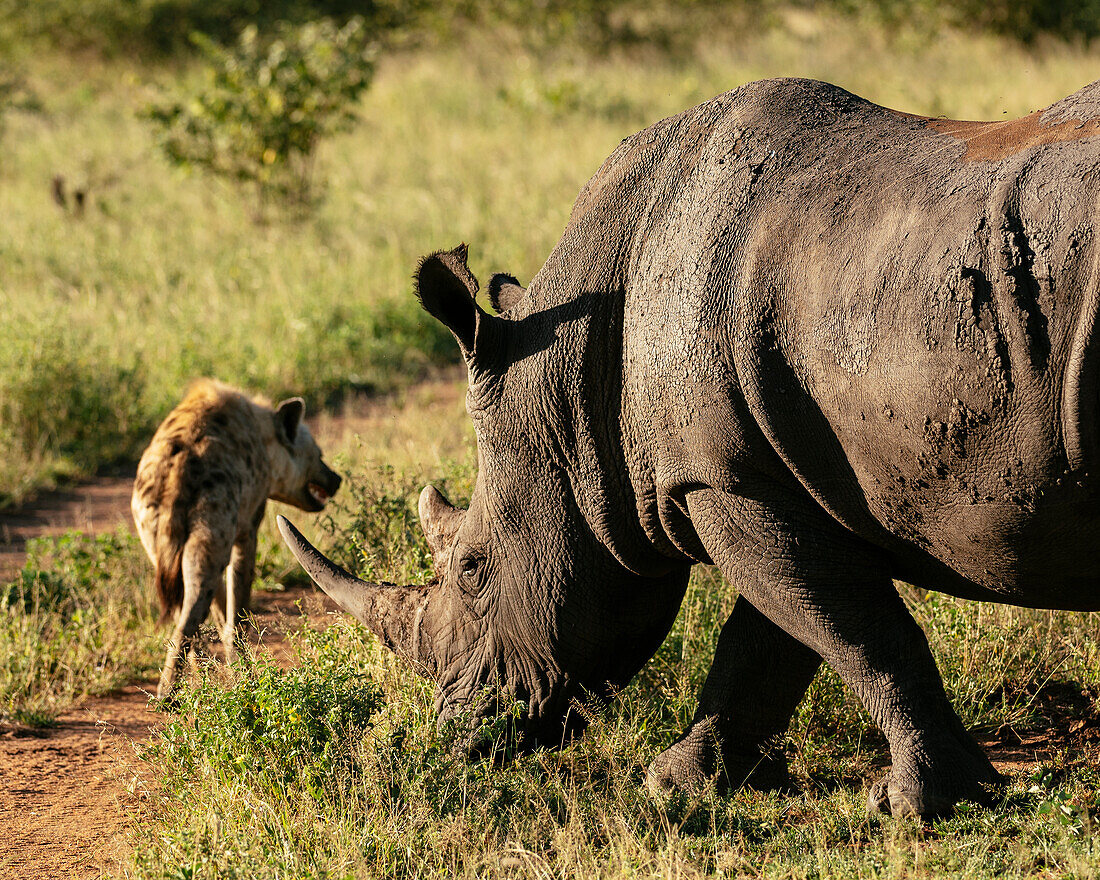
(470, 568)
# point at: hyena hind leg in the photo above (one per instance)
(203, 565)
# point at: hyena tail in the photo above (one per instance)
(170, 539)
(169, 580)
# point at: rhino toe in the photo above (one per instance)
(700, 759)
(893, 796)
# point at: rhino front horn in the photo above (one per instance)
(391, 612)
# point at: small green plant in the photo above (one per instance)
(266, 103)
(274, 727)
(1076, 814)
(373, 528)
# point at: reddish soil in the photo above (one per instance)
(64, 791)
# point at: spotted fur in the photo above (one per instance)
(199, 497)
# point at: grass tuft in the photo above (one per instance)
(79, 619)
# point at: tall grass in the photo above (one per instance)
(77, 620)
(164, 275)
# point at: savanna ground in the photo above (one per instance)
(320, 757)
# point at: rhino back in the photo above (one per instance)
(867, 306)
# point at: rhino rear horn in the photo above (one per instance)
(504, 292)
(439, 519)
(391, 612)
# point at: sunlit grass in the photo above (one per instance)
(167, 276)
(77, 620)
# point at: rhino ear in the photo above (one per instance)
(446, 288)
(504, 292)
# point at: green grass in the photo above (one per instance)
(77, 620)
(166, 276)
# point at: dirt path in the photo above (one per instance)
(66, 791)
(94, 506)
(63, 795)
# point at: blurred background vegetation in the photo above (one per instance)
(242, 188)
(154, 27)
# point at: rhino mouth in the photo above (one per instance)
(496, 735)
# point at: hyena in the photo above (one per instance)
(199, 498)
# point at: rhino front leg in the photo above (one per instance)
(833, 592)
(756, 681)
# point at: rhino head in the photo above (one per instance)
(534, 598)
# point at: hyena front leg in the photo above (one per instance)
(204, 559)
(238, 591)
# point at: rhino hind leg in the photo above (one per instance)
(744, 709)
(833, 593)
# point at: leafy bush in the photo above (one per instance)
(265, 104)
(166, 26)
(1024, 20)
(274, 727)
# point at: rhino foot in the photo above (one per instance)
(928, 796)
(698, 760)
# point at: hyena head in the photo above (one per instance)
(298, 474)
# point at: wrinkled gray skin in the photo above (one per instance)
(818, 343)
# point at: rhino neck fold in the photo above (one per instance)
(1081, 384)
(583, 377)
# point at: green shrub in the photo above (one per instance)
(1023, 20)
(265, 104)
(274, 727)
(166, 26)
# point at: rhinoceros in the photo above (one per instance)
(821, 344)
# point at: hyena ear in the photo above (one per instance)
(288, 416)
